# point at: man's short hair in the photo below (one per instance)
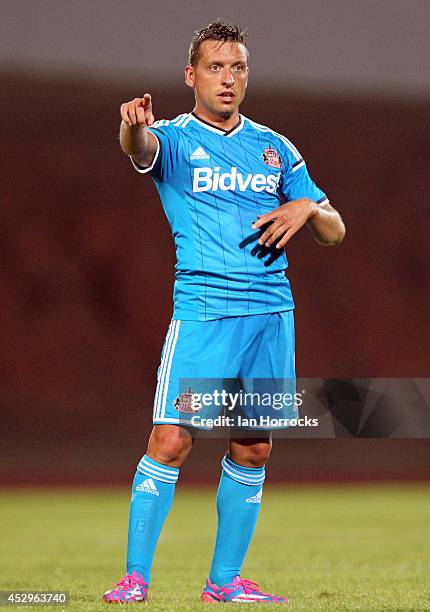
(218, 30)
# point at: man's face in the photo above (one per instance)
(219, 78)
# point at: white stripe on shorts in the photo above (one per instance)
(166, 362)
(167, 345)
(169, 366)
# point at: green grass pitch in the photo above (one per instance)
(326, 548)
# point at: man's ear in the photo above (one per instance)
(189, 75)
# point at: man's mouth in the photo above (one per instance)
(227, 96)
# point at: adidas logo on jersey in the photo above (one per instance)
(255, 499)
(199, 153)
(208, 179)
(148, 486)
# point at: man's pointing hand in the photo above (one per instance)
(138, 112)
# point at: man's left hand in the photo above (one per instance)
(285, 221)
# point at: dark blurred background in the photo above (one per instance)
(87, 258)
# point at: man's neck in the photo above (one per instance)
(223, 123)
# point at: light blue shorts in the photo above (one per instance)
(252, 354)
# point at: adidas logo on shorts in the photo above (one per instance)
(148, 486)
(255, 499)
(199, 153)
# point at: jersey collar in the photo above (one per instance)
(217, 130)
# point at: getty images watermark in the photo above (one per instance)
(248, 409)
(303, 407)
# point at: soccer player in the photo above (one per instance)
(234, 192)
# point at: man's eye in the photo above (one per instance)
(214, 67)
(239, 68)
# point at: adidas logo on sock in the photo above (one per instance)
(199, 153)
(148, 486)
(255, 499)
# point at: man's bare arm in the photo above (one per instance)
(134, 138)
(324, 222)
(326, 225)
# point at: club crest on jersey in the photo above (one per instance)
(272, 158)
(184, 402)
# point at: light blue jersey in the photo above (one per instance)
(213, 184)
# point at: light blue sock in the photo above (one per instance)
(238, 505)
(151, 500)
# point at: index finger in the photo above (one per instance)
(147, 100)
(263, 219)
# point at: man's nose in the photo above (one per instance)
(227, 77)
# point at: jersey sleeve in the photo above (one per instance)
(295, 181)
(167, 153)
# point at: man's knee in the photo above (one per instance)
(169, 444)
(250, 453)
